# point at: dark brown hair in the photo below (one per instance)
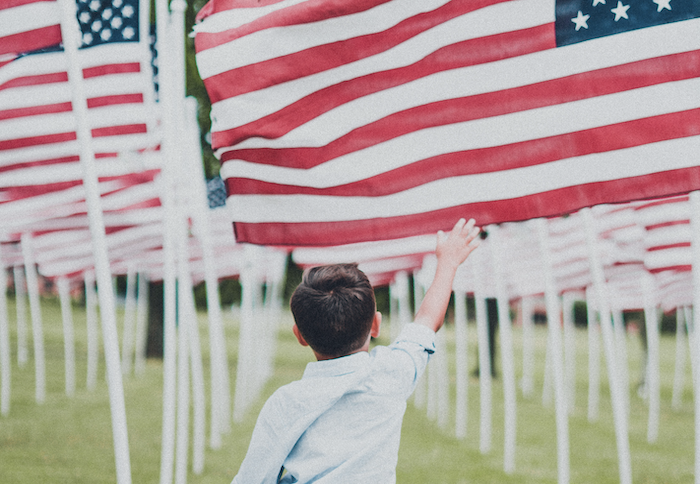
(333, 308)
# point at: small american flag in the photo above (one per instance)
(37, 125)
(338, 122)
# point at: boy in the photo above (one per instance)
(341, 423)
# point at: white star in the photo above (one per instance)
(87, 39)
(128, 11)
(128, 33)
(662, 4)
(107, 13)
(95, 5)
(596, 2)
(116, 23)
(620, 11)
(96, 26)
(84, 17)
(581, 20)
(106, 34)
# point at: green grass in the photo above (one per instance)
(70, 439)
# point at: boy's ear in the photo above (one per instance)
(300, 338)
(376, 323)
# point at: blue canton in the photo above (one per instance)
(580, 20)
(103, 21)
(216, 192)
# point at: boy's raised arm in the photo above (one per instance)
(452, 249)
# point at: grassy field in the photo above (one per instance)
(69, 439)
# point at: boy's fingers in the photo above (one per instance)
(440, 236)
(459, 226)
(469, 226)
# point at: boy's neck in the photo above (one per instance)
(320, 357)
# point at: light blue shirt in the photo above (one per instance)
(341, 423)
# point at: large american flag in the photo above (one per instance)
(340, 122)
(37, 124)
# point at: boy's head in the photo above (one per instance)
(334, 309)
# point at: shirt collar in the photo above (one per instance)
(337, 366)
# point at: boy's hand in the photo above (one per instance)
(453, 248)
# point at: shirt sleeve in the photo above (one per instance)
(412, 350)
(268, 447)
(418, 334)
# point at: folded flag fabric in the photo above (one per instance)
(340, 122)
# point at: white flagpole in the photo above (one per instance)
(692, 343)
(68, 334)
(618, 401)
(128, 328)
(526, 312)
(246, 336)
(554, 347)
(21, 309)
(93, 348)
(35, 314)
(620, 342)
(695, 247)
(171, 93)
(547, 386)
(403, 299)
(484, 359)
(258, 331)
(393, 312)
(461, 362)
(442, 377)
(5, 370)
(652, 370)
(679, 369)
(505, 325)
(141, 324)
(188, 330)
(569, 349)
(593, 357)
(220, 386)
(91, 327)
(183, 395)
(420, 397)
(69, 32)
